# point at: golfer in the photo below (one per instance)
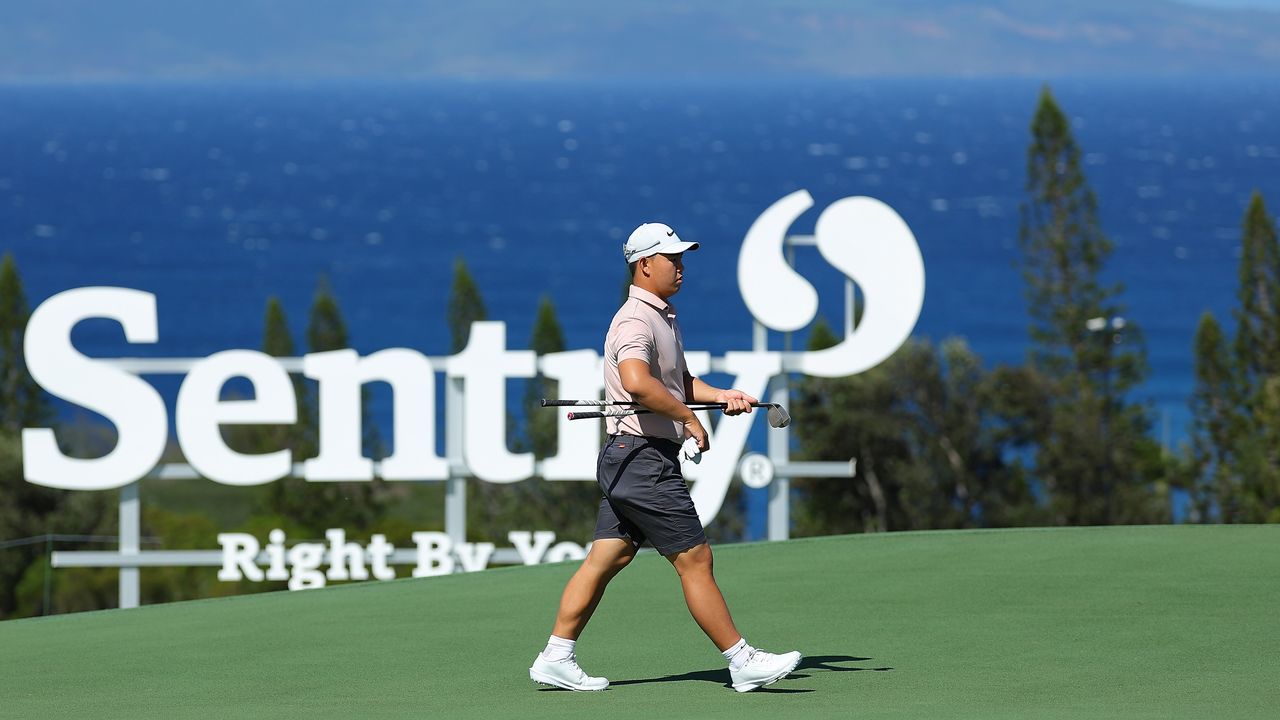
(645, 495)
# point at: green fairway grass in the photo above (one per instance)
(1153, 622)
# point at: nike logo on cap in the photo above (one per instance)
(670, 233)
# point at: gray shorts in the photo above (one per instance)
(645, 496)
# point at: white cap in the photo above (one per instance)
(652, 239)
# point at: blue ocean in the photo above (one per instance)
(216, 197)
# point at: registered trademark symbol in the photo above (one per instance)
(756, 470)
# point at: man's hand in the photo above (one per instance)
(736, 402)
(693, 428)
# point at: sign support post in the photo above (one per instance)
(455, 494)
(130, 542)
(780, 454)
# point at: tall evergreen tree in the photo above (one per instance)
(1216, 420)
(326, 331)
(25, 509)
(1236, 440)
(1063, 247)
(1094, 458)
(1256, 492)
(22, 403)
(491, 509)
(288, 496)
(541, 424)
(316, 507)
(277, 341)
(1257, 344)
(569, 507)
(465, 306)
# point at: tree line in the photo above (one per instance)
(941, 440)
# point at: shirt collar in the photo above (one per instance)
(649, 298)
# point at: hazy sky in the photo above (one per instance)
(88, 40)
(1262, 4)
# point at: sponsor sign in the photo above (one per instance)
(862, 237)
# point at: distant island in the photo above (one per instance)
(124, 40)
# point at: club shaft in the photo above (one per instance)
(628, 411)
(580, 403)
(627, 404)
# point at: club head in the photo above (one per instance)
(778, 416)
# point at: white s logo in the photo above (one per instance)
(867, 241)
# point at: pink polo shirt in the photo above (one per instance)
(645, 329)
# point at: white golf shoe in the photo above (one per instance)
(762, 669)
(565, 674)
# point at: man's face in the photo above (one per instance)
(666, 272)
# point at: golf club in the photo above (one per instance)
(583, 403)
(778, 416)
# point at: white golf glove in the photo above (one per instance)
(689, 451)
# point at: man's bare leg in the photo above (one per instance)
(583, 592)
(703, 597)
(749, 668)
(557, 665)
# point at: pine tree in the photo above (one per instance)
(821, 336)
(326, 331)
(22, 403)
(1258, 362)
(465, 306)
(1257, 344)
(1064, 248)
(1248, 490)
(1094, 458)
(277, 341)
(355, 505)
(25, 509)
(569, 506)
(491, 509)
(541, 424)
(288, 495)
(1216, 421)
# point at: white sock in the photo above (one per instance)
(738, 654)
(558, 648)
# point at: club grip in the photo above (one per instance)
(585, 415)
(558, 403)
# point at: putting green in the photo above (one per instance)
(1157, 622)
